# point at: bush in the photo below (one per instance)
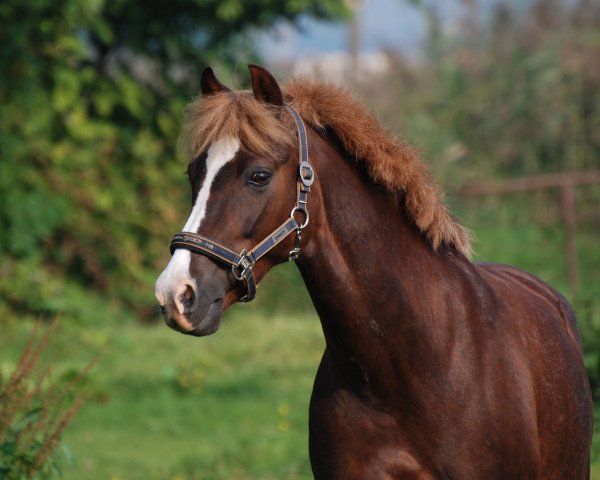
(34, 414)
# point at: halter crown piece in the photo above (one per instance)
(242, 263)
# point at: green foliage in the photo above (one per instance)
(92, 94)
(588, 309)
(34, 415)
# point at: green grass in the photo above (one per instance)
(167, 406)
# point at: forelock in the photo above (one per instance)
(257, 125)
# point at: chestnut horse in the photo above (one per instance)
(435, 367)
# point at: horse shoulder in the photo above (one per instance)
(534, 297)
(547, 344)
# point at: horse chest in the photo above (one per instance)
(346, 444)
(351, 439)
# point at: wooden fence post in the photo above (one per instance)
(567, 206)
(566, 181)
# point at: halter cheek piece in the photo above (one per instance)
(242, 263)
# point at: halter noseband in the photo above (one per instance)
(242, 263)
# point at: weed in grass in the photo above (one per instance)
(34, 413)
(190, 377)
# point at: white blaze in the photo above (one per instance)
(177, 272)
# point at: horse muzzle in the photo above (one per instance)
(190, 310)
(194, 322)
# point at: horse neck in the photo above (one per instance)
(380, 290)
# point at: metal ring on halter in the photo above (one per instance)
(245, 264)
(239, 277)
(306, 216)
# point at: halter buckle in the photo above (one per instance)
(245, 264)
(306, 173)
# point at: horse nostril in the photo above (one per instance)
(185, 299)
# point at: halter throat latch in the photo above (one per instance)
(242, 263)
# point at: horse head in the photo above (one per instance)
(244, 181)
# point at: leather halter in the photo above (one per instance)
(243, 262)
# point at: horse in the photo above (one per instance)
(435, 367)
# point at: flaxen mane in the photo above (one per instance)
(389, 161)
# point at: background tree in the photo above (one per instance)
(91, 96)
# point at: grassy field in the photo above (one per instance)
(166, 406)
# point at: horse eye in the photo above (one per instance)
(260, 178)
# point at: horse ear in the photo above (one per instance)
(209, 83)
(264, 86)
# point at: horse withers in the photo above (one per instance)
(435, 367)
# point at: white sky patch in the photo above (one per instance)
(178, 269)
